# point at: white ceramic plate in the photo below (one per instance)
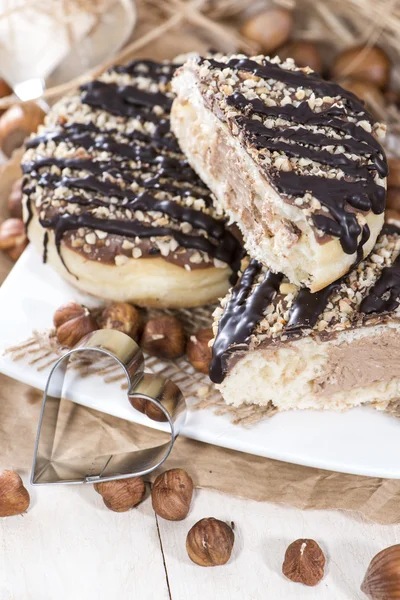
(361, 441)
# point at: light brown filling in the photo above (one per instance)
(361, 363)
(240, 195)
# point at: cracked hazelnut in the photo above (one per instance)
(304, 54)
(72, 322)
(269, 29)
(365, 64)
(171, 494)
(17, 123)
(15, 200)
(121, 495)
(13, 237)
(382, 579)
(122, 317)
(210, 542)
(394, 172)
(198, 351)
(163, 337)
(14, 497)
(304, 562)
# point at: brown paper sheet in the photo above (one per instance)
(211, 467)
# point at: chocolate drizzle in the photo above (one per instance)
(123, 100)
(357, 190)
(152, 162)
(241, 315)
(383, 297)
(313, 81)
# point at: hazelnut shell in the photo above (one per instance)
(304, 562)
(122, 317)
(14, 497)
(148, 408)
(393, 199)
(198, 351)
(15, 252)
(269, 29)
(304, 54)
(394, 172)
(72, 322)
(365, 64)
(369, 93)
(15, 200)
(121, 495)
(382, 579)
(12, 233)
(210, 542)
(392, 215)
(5, 89)
(17, 123)
(171, 494)
(163, 337)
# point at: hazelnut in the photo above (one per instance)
(13, 237)
(392, 215)
(394, 172)
(72, 322)
(269, 29)
(123, 317)
(382, 579)
(171, 494)
(304, 562)
(5, 89)
(163, 337)
(17, 123)
(393, 198)
(15, 200)
(392, 97)
(14, 497)
(209, 543)
(121, 495)
(12, 233)
(148, 408)
(15, 252)
(304, 54)
(362, 63)
(369, 93)
(198, 351)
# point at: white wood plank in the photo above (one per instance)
(69, 546)
(263, 531)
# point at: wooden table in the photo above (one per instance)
(69, 546)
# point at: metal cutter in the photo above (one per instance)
(159, 398)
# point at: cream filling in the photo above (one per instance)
(357, 367)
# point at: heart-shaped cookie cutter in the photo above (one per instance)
(155, 396)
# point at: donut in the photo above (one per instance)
(294, 160)
(334, 349)
(111, 202)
